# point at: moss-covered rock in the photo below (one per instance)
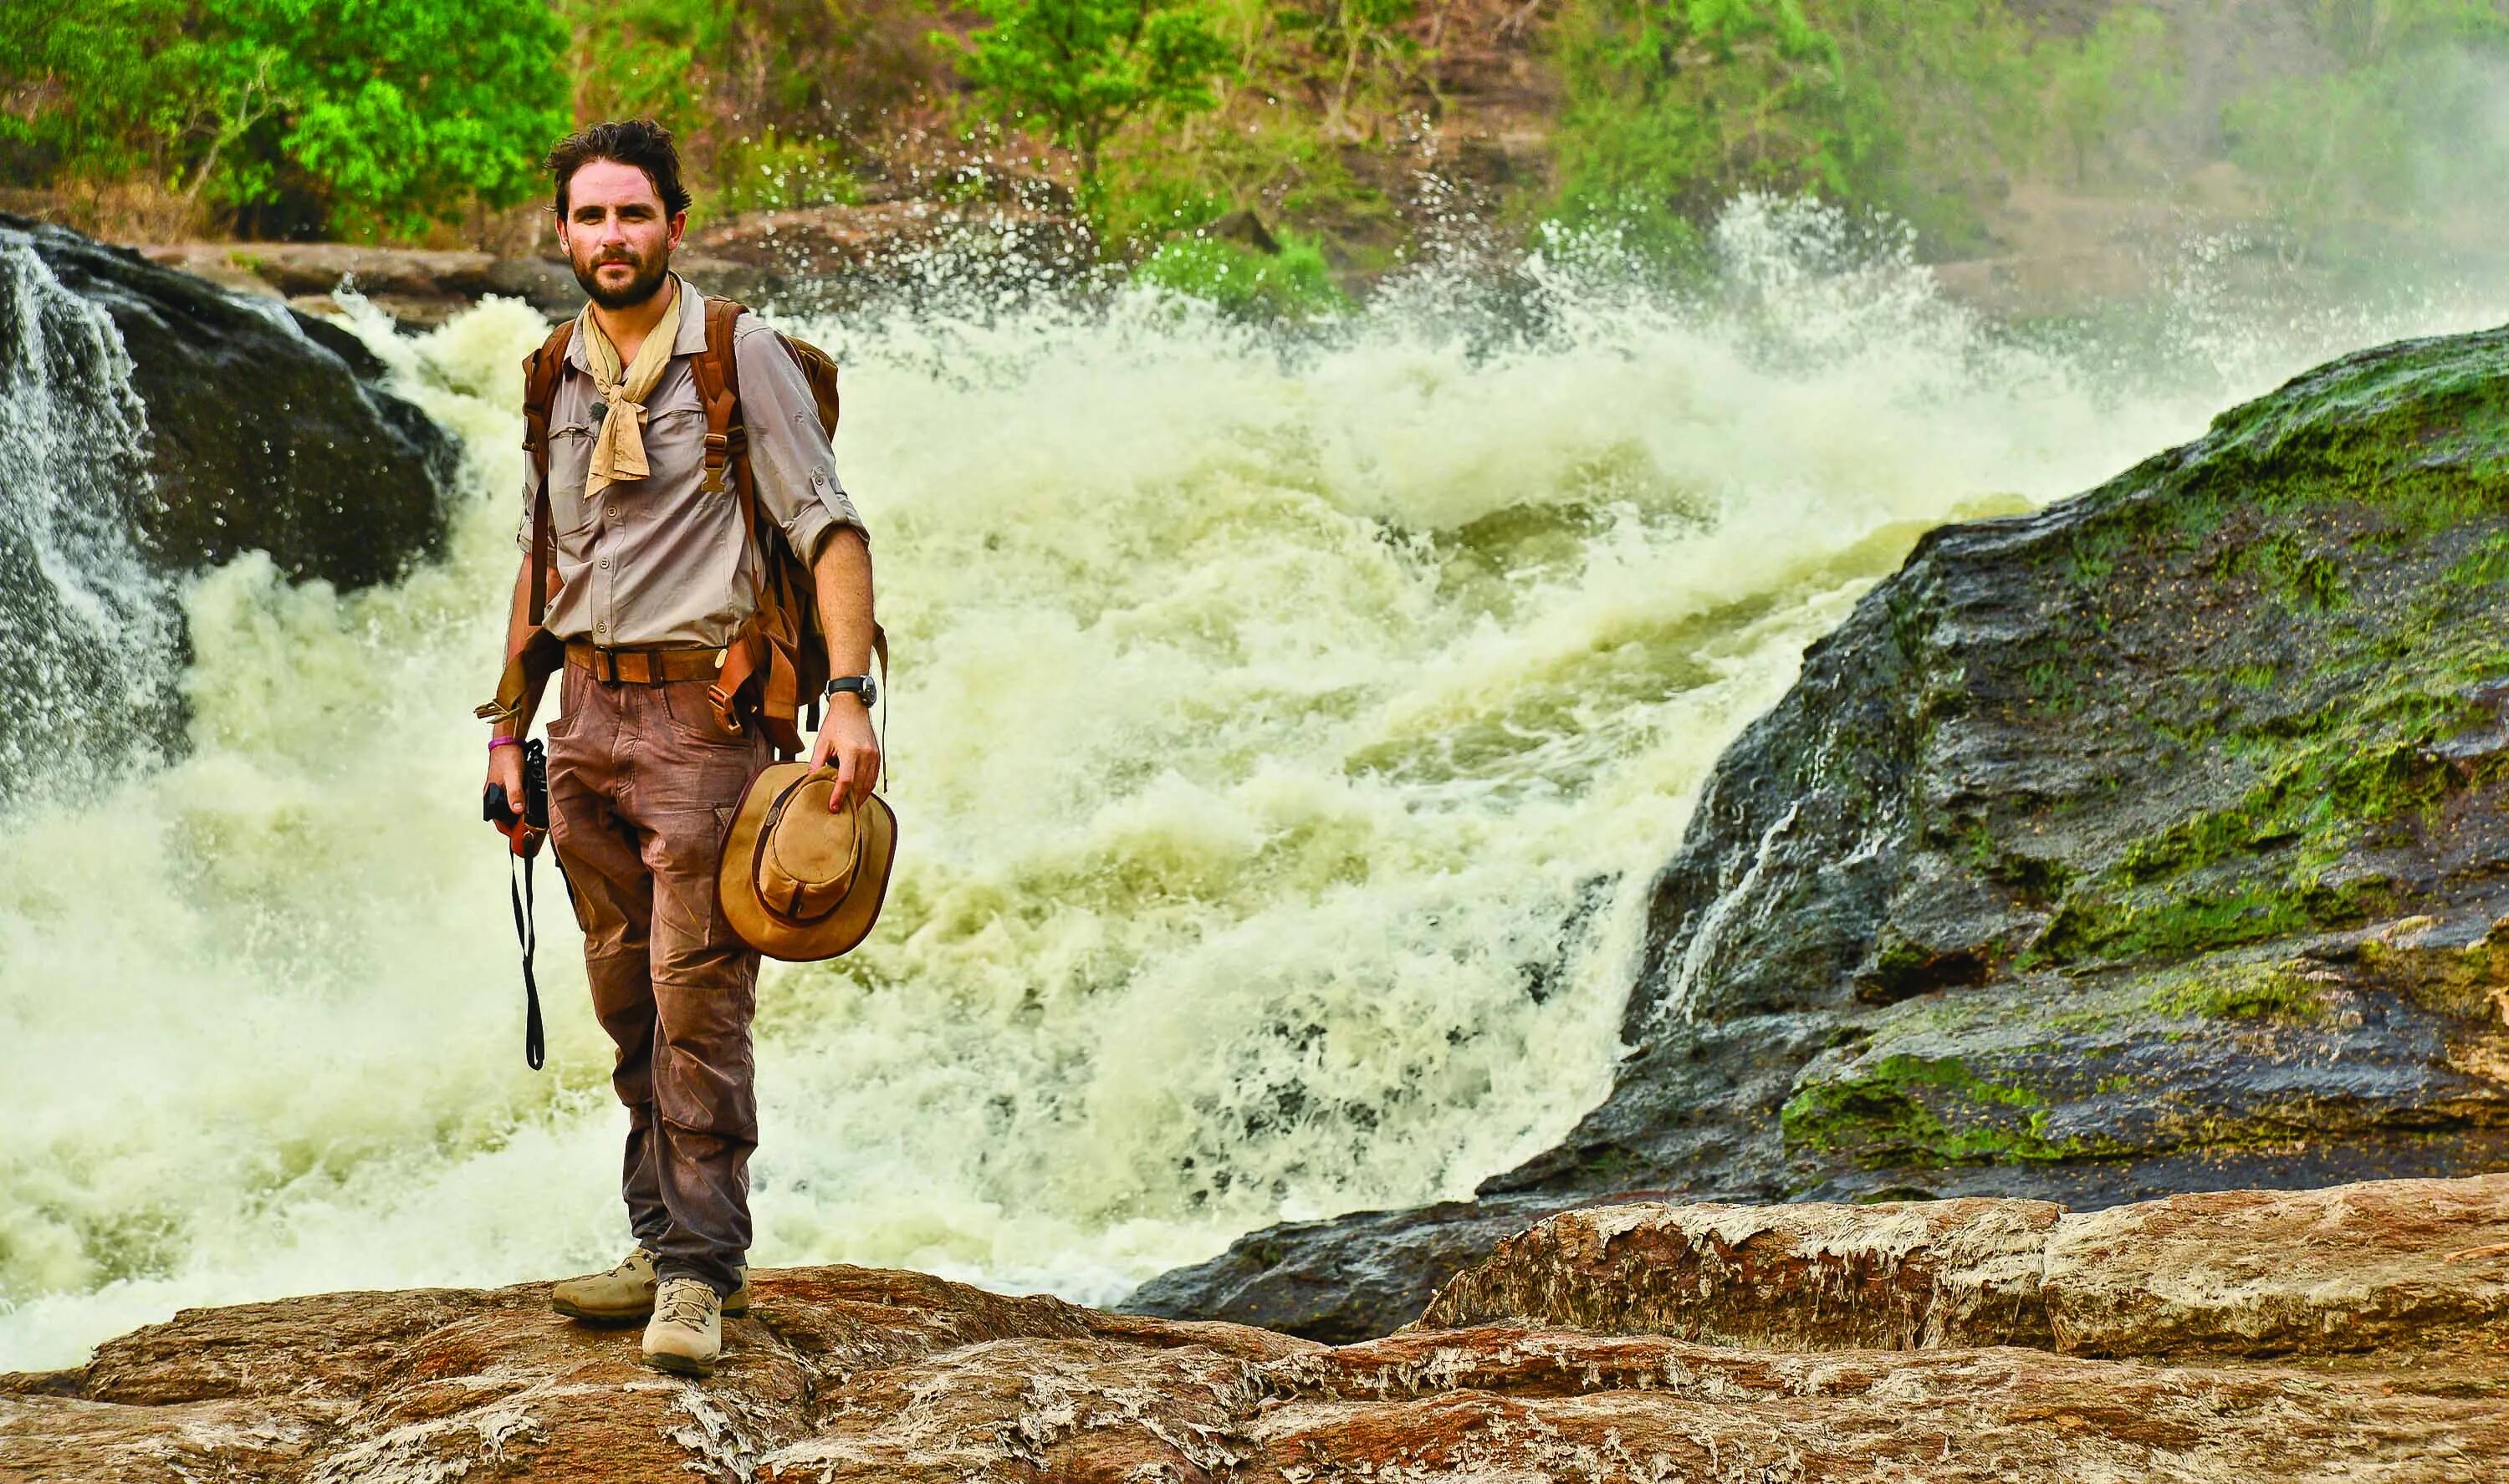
(2087, 845)
(2152, 842)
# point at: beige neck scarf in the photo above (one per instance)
(618, 448)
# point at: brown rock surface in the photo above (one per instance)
(2228, 1273)
(2354, 1267)
(1892, 1276)
(1905, 1342)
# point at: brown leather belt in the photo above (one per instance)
(644, 667)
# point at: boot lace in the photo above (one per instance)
(684, 1301)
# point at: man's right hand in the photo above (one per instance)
(505, 767)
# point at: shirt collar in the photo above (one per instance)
(692, 336)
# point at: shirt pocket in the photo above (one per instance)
(570, 461)
(674, 441)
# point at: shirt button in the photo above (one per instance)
(604, 564)
(601, 628)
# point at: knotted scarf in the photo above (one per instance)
(618, 448)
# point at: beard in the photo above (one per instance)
(642, 286)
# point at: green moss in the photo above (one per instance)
(2181, 923)
(2300, 604)
(2482, 567)
(2309, 581)
(2052, 689)
(2089, 925)
(1920, 1110)
(2239, 992)
(2093, 556)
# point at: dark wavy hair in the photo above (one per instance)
(640, 143)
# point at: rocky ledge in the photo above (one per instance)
(2355, 1332)
(810, 260)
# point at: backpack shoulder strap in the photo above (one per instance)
(718, 375)
(540, 371)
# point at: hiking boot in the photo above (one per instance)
(686, 1333)
(625, 1295)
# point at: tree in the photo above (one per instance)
(378, 114)
(1079, 70)
(2123, 72)
(1675, 105)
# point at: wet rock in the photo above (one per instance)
(267, 430)
(2388, 1264)
(2385, 1264)
(1342, 1279)
(856, 1375)
(2149, 842)
(419, 287)
(1815, 1277)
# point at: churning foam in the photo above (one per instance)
(1284, 738)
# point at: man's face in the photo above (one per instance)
(616, 236)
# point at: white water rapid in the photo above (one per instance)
(1284, 736)
(87, 632)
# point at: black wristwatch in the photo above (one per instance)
(860, 685)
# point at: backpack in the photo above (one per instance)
(777, 664)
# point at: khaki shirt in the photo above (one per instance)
(653, 562)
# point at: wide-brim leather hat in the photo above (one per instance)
(800, 882)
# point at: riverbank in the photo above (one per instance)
(2241, 1336)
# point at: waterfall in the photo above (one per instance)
(87, 633)
(1285, 731)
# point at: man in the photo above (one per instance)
(653, 578)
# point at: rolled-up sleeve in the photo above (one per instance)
(789, 454)
(531, 496)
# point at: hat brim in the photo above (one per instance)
(771, 932)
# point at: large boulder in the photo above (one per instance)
(2359, 1333)
(266, 430)
(152, 422)
(2153, 841)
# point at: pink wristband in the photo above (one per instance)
(495, 743)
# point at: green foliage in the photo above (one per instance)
(1355, 41)
(1922, 108)
(644, 58)
(379, 114)
(2121, 73)
(1671, 106)
(2352, 142)
(1077, 71)
(1903, 104)
(1291, 284)
(768, 171)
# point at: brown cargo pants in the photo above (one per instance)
(643, 781)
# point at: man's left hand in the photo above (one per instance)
(846, 743)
